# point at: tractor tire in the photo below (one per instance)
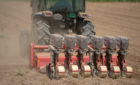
(49, 72)
(85, 28)
(40, 32)
(88, 28)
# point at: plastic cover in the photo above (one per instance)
(97, 42)
(82, 41)
(110, 42)
(56, 40)
(123, 42)
(70, 41)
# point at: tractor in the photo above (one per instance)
(59, 16)
(63, 41)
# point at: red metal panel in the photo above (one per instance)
(32, 55)
(86, 59)
(61, 59)
(114, 60)
(74, 59)
(43, 59)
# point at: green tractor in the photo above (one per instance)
(64, 40)
(61, 17)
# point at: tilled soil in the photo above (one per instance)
(109, 19)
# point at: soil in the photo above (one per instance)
(109, 19)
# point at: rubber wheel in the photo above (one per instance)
(49, 72)
(102, 74)
(127, 70)
(88, 28)
(40, 32)
(115, 75)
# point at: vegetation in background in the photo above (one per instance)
(114, 0)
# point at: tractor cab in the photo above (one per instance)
(62, 5)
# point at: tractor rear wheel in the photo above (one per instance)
(40, 32)
(85, 28)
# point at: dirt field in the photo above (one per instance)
(109, 19)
